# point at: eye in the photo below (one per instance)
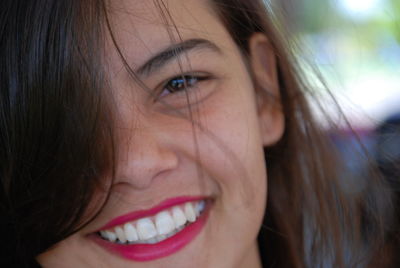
(180, 83)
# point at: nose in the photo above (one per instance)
(144, 154)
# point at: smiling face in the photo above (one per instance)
(190, 184)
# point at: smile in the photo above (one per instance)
(151, 230)
(155, 233)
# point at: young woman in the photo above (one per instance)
(165, 134)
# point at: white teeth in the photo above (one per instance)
(189, 212)
(111, 236)
(146, 229)
(161, 237)
(104, 235)
(130, 232)
(152, 241)
(120, 234)
(178, 216)
(171, 234)
(196, 209)
(155, 229)
(200, 207)
(164, 223)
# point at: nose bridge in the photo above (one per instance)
(144, 153)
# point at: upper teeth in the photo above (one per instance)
(155, 229)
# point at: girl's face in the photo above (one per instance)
(190, 184)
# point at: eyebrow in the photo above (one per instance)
(162, 58)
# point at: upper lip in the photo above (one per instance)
(131, 216)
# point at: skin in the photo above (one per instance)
(162, 154)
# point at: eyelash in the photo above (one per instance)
(182, 82)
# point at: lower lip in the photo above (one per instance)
(149, 252)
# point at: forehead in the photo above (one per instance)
(142, 28)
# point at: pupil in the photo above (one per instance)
(179, 83)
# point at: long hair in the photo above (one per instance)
(311, 220)
(56, 140)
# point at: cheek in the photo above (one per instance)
(230, 144)
(76, 251)
(67, 253)
(232, 153)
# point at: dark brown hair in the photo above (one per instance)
(52, 122)
(311, 220)
(56, 141)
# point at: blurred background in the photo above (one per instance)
(355, 45)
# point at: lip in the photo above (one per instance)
(148, 252)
